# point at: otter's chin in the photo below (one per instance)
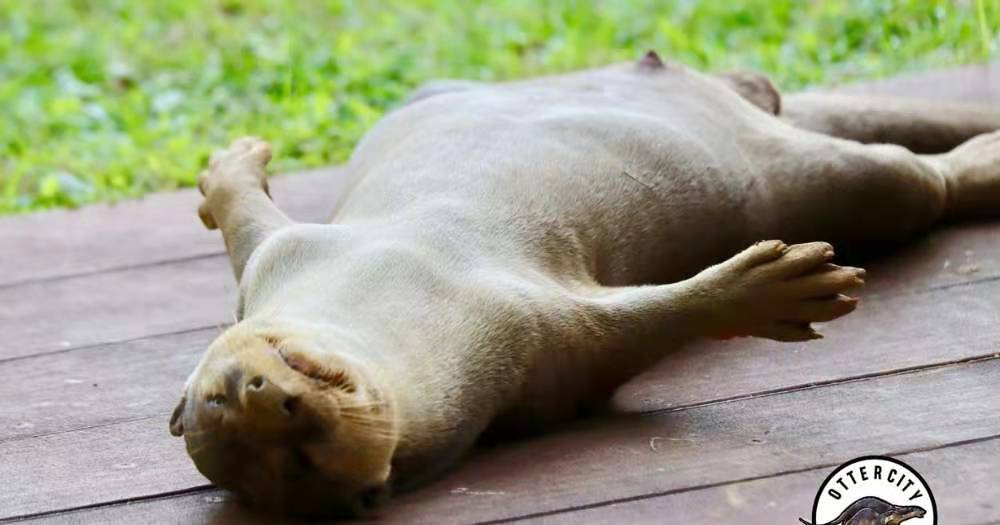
(287, 427)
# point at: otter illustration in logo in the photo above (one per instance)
(874, 511)
(873, 490)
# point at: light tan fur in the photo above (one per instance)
(510, 253)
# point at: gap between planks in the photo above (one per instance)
(111, 269)
(665, 493)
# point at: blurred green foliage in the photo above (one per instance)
(101, 99)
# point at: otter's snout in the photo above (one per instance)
(268, 404)
(248, 401)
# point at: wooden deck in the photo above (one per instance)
(106, 310)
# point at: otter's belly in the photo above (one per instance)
(644, 196)
(664, 197)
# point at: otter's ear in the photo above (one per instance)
(176, 426)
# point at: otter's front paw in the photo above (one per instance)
(774, 290)
(240, 167)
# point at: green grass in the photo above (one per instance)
(103, 99)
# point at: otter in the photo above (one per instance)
(871, 510)
(508, 254)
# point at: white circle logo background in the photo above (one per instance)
(887, 479)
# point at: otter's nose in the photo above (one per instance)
(265, 397)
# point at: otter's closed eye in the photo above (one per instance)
(340, 380)
(335, 378)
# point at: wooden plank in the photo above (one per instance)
(157, 228)
(140, 378)
(595, 461)
(125, 304)
(98, 386)
(962, 478)
(202, 506)
(165, 227)
(951, 255)
(90, 465)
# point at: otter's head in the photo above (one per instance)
(904, 513)
(287, 425)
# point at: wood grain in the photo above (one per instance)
(958, 475)
(728, 441)
(91, 465)
(593, 462)
(961, 477)
(47, 316)
(158, 228)
(97, 386)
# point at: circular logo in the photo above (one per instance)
(874, 489)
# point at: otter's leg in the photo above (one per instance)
(848, 192)
(237, 199)
(769, 290)
(920, 125)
